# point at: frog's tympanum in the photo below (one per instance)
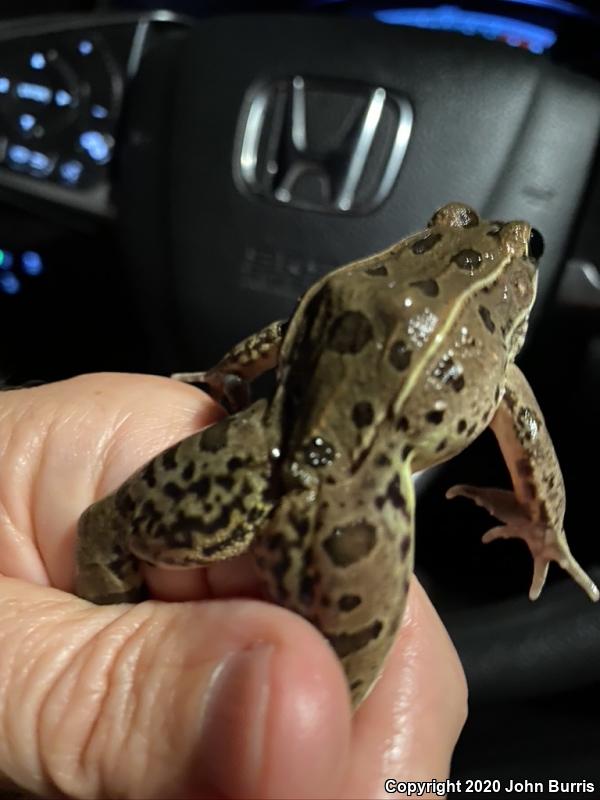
(388, 365)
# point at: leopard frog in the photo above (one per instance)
(390, 364)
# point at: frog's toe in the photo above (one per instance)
(540, 571)
(500, 503)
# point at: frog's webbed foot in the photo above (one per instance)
(545, 543)
(228, 389)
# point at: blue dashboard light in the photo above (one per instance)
(451, 18)
(27, 122)
(39, 162)
(34, 91)
(70, 171)
(62, 98)
(4, 85)
(97, 145)
(37, 61)
(19, 154)
(99, 112)
(9, 283)
(6, 259)
(563, 6)
(31, 262)
(85, 47)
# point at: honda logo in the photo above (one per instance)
(323, 145)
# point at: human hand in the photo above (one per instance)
(213, 696)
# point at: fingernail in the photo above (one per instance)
(233, 730)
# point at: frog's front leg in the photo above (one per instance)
(228, 382)
(534, 510)
(199, 501)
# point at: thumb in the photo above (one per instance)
(221, 698)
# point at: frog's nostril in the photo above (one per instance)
(536, 244)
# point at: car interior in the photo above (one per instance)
(174, 175)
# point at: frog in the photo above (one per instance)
(389, 365)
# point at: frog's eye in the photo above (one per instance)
(536, 244)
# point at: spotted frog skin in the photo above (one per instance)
(388, 365)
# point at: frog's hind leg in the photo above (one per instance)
(107, 572)
(342, 557)
(198, 502)
(228, 382)
(534, 510)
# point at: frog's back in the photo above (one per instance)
(365, 336)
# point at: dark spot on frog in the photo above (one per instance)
(306, 590)
(318, 452)
(124, 503)
(346, 643)
(225, 482)
(406, 585)
(435, 416)
(378, 271)
(300, 525)
(356, 684)
(149, 513)
(149, 473)
(472, 429)
(214, 438)
(393, 494)
(486, 415)
(174, 491)
(351, 543)
(362, 414)
(400, 355)
(441, 446)
(461, 426)
(275, 542)
(406, 451)
(234, 463)
(308, 558)
(469, 260)
(348, 602)
(188, 472)
(458, 383)
(402, 424)
(424, 245)
(404, 547)
(349, 333)
(497, 394)
(430, 288)
(382, 460)
(168, 459)
(486, 316)
(201, 487)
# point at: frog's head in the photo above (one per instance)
(500, 261)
